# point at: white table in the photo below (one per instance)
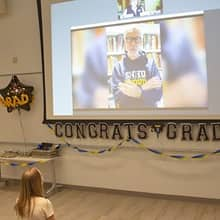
(21, 161)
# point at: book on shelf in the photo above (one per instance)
(151, 41)
(115, 43)
(111, 62)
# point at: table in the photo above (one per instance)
(24, 161)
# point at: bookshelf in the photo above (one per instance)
(152, 47)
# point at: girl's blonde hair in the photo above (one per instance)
(31, 186)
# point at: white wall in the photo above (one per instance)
(130, 168)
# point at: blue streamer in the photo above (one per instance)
(135, 141)
(49, 126)
(177, 156)
(31, 163)
(14, 164)
(198, 156)
(82, 150)
(154, 151)
(216, 152)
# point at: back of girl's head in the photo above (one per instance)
(31, 186)
(31, 183)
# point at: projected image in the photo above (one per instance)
(138, 8)
(140, 65)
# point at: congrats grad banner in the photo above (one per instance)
(125, 131)
(118, 131)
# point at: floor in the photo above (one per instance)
(85, 204)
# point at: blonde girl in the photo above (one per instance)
(31, 204)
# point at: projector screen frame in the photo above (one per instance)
(105, 116)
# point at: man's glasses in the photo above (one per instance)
(135, 39)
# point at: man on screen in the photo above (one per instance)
(136, 82)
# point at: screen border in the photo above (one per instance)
(108, 117)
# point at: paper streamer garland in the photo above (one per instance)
(176, 156)
(140, 145)
(22, 164)
(94, 152)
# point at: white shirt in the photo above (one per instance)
(43, 209)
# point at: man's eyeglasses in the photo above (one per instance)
(135, 39)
